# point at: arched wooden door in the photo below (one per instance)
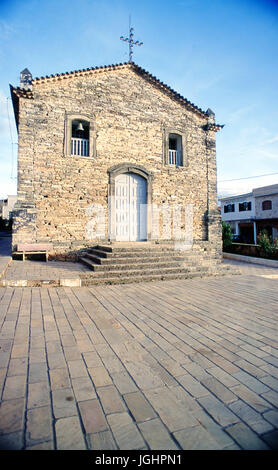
(130, 207)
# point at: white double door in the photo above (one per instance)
(130, 207)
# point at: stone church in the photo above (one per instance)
(103, 153)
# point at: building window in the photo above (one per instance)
(80, 131)
(174, 148)
(244, 206)
(267, 205)
(229, 208)
(80, 138)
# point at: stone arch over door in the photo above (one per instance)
(121, 169)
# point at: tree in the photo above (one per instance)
(227, 235)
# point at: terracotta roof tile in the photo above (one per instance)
(137, 69)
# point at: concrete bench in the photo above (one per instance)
(33, 248)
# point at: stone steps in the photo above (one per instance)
(152, 253)
(90, 281)
(125, 264)
(142, 259)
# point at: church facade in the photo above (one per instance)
(110, 154)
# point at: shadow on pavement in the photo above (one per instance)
(5, 244)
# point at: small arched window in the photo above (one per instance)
(174, 156)
(267, 205)
(80, 135)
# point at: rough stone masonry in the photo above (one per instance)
(130, 115)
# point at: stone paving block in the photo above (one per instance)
(3, 373)
(218, 389)
(271, 360)
(143, 375)
(250, 417)
(171, 410)
(102, 441)
(77, 369)
(92, 359)
(92, 416)
(250, 382)
(246, 438)
(111, 401)
(271, 397)
(163, 375)
(69, 434)
(37, 372)
(18, 366)
(250, 368)
(123, 382)
(39, 425)
(20, 350)
(37, 355)
(15, 387)
(63, 403)
(59, 378)
(270, 370)
(196, 438)
(100, 376)
(83, 389)
(54, 347)
(256, 361)
(56, 361)
(218, 434)
(252, 398)
(42, 446)
(226, 379)
(13, 441)
(68, 340)
(85, 345)
(193, 386)
(271, 439)
(72, 353)
(113, 364)
(196, 370)
(12, 416)
(38, 395)
(271, 382)
(218, 410)
(156, 435)
(125, 432)
(37, 341)
(272, 417)
(185, 399)
(172, 367)
(139, 407)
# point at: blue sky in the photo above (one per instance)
(218, 54)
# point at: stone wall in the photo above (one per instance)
(128, 119)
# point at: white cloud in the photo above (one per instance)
(231, 188)
(273, 139)
(8, 188)
(268, 154)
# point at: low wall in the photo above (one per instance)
(271, 263)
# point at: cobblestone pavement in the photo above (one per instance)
(189, 364)
(35, 270)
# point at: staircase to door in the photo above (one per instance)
(135, 262)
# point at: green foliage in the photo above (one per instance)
(227, 235)
(269, 248)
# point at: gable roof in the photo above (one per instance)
(19, 92)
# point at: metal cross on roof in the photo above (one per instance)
(131, 42)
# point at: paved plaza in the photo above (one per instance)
(187, 364)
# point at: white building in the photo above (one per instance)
(7, 207)
(248, 214)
